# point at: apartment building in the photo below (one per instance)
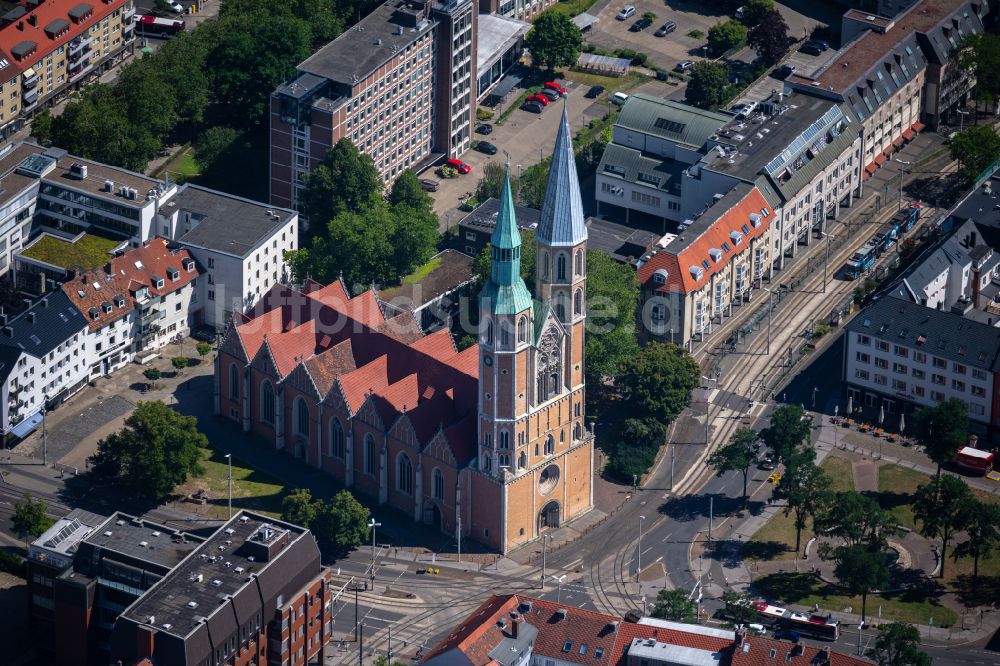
(900, 356)
(671, 161)
(518, 630)
(698, 277)
(399, 85)
(239, 244)
(43, 361)
(120, 588)
(524, 10)
(85, 570)
(49, 47)
(138, 302)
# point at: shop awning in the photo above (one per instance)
(871, 168)
(880, 159)
(25, 427)
(918, 126)
(898, 141)
(908, 134)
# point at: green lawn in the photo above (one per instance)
(572, 7)
(913, 606)
(423, 271)
(252, 489)
(89, 252)
(187, 165)
(896, 486)
(775, 540)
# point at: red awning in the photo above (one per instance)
(866, 175)
(898, 141)
(908, 134)
(879, 159)
(918, 126)
(871, 168)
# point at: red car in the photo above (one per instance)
(541, 99)
(458, 165)
(552, 85)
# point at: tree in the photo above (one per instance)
(676, 606)
(152, 374)
(155, 451)
(659, 380)
(407, 191)
(300, 508)
(179, 362)
(342, 522)
(804, 486)
(204, 349)
(707, 87)
(554, 41)
(213, 144)
(861, 570)
(345, 181)
(982, 527)
(41, 127)
(634, 450)
(738, 607)
(942, 506)
(738, 455)
(769, 38)
(857, 519)
(790, 426)
(726, 35)
(612, 299)
(975, 148)
(981, 53)
(482, 265)
(30, 518)
(491, 183)
(942, 430)
(898, 644)
(755, 10)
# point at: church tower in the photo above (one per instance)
(562, 252)
(505, 316)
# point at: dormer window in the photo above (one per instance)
(697, 272)
(660, 276)
(755, 220)
(157, 281)
(94, 313)
(716, 254)
(106, 306)
(188, 265)
(764, 212)
(173, 274)
(736, 237)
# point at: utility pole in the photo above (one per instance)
(672, 445)
(902, 168)
(361, 643)
(372, 525)
(45, 440)
(389, 651)
(356, 588)
(545, 542)
(638, 553)
(229, 461)
(458, 536)
(711, 509)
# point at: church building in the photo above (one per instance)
(488, 442)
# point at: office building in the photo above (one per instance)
(48, 48)
(399, 85)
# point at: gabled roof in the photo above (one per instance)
(562, 222)
(48, 323)
(675, 121)
(153, 260)
(93, 291)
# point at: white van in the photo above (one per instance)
(619, 98)
(627, 12)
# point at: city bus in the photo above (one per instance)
(815, 626)
(154, 26)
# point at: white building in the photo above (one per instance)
(239, 244)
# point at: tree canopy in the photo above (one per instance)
(982, 527)
(857, 519)
(769, 38)
(861, 570)
(981, 53)
(407, 191)
(299, 508)
(554, 41)
(30, 517)
(804, 487)
(612, 299)
(155, 452)
(738, 455)
(898, 644)
(755, 10)
(343, 522)
(942, 430)
(346, 181)
(942, 506)
(707, 86)
(726, 35)
(659, 380)
(975, 148)
(676, 606)
(789, 428)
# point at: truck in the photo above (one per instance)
(975, 460)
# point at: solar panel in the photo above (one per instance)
(671, 126)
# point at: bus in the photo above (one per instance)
(862, 260)
(154, 26)
(975, 460)
(815, 626)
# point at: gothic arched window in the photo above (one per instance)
(488, 337)
(550, 445)
(522, 329)
(336, 438)
(561, 267)
(545, 265)
(522, 460)
(234, 382)
(438, 484)
(369, 454)
(404, 474)
(267, 402)
(504, 439)
(578, 263)
(301, 417)
(578, 302)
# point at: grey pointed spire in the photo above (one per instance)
(562, 221)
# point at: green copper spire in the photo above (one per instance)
(506, 293)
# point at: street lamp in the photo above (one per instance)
(829, 238)
(545, 543)
(45, 439)
(559, 581)
(708, 407)
(229, 464)
(770, 307)
(961, 123)
(902, 168)
(638, 555)
(372, 525)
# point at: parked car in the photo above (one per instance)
(619, 98)
(627, 12)
(532, 107)
(486, 147)
(753, 628)
(787, 635)
(552, 85)
(684, 65)
(666, 29)
(661, 75)
(541, 99)
(811, 49)
(784, 71)
(429, 185)
(176, 7)
(458, 165)
(744, 110)
(821, 44)
(594, 92)
(550, 94)
(484, 129)
(204, 334)
(640, 25)
(740, 12)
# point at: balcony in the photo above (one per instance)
(83, 53)
(29, 99)
(79, 70)
(77, 45)
(29, 82)
(151, 315)
(129, 13)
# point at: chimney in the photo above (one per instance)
(560, 614)
(515, 626)
(33, 19)
(31, 317)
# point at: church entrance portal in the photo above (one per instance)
(548, 518)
